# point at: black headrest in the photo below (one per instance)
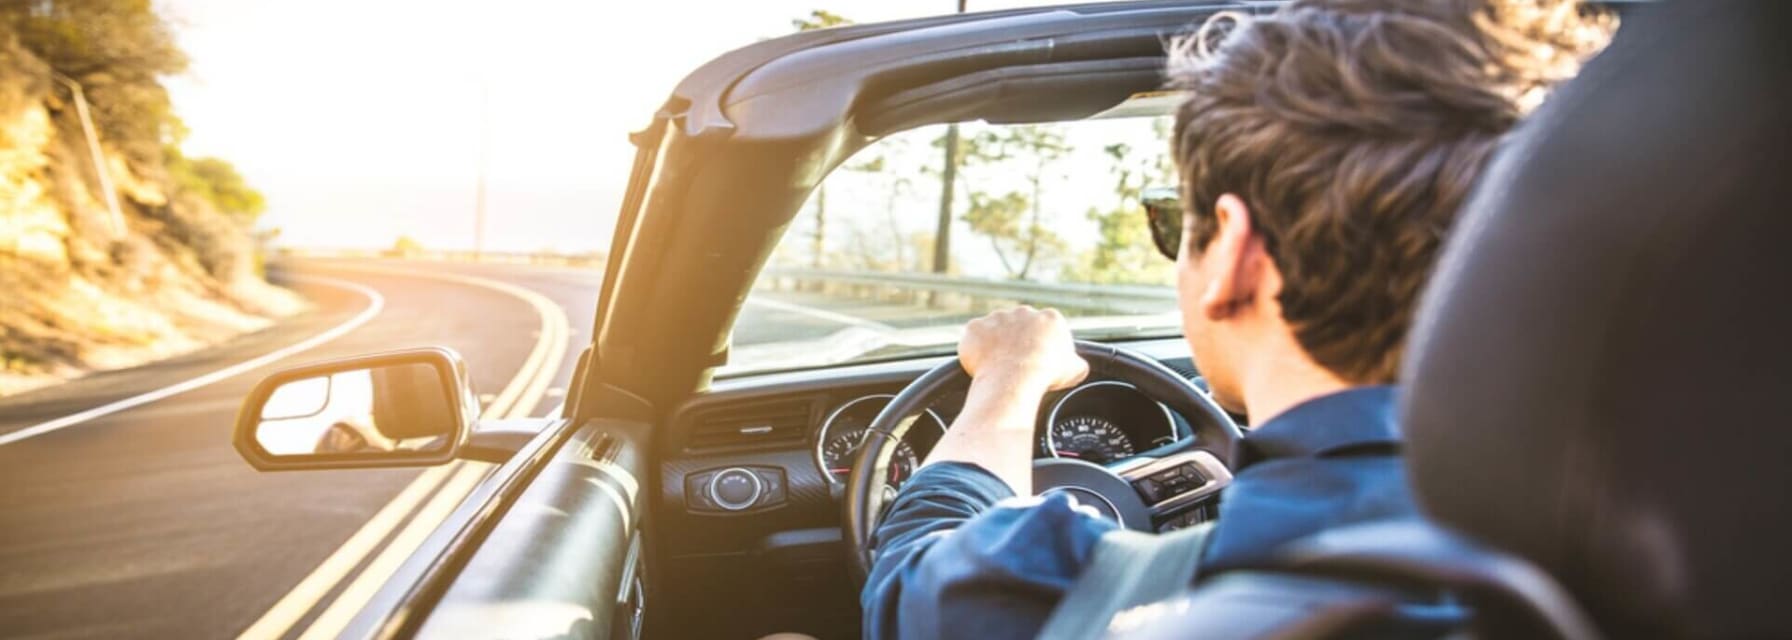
(1601, 376)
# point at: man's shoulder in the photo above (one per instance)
(1345, 421)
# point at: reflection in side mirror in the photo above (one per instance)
(395, 409)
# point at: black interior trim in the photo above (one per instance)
(1013, 95)
(566, 540)
(411, 594)
(1504, 590)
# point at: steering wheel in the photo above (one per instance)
(1176, 475)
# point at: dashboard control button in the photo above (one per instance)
(1149, 490)
(736, 489)
(696, 492)
(772, 480)
(1183, 520)
(1174, 482)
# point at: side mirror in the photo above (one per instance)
(396, 409)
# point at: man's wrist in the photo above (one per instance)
(1017, 382)
(994, 394)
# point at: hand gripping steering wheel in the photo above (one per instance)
(1174, 476)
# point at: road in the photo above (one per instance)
(144, 522)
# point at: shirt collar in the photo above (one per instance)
(1360, 416)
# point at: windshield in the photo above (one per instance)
(885, 261)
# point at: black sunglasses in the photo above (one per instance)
(1163, 213)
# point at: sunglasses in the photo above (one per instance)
(1163, 214)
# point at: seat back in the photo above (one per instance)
(1600, 374)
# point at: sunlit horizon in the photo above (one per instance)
(360, 121)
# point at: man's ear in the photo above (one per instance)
(1231, 264)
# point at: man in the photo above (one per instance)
(1323, 153)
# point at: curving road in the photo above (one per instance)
(143, 522)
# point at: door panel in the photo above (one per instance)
(565, 560)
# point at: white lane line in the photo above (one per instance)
(820, 314)
(376, 302)
(517, 399)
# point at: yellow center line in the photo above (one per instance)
(334, 619)
(518, 399)
(314, 587)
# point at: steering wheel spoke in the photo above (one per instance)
(1177, 481)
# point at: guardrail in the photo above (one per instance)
(493, 257)
(909, 288)
(978, 292)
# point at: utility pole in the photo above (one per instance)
(485, 135)
(116, 221)
(942, 235)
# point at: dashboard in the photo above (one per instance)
(788, 441)
(751, 474)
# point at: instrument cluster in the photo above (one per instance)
(1101, 421)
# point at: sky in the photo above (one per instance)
(360, 120)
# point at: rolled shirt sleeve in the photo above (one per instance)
(960, 556)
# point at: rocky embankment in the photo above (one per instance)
(83, 289)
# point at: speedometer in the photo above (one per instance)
(843, 433)
(1089, 438)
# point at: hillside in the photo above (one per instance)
(84, 285)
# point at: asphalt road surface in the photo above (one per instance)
(144, 522)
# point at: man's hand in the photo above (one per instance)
(1014, 357)
(1024, 345)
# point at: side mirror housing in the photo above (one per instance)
(398, 409)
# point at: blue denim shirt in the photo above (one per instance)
(959, 556)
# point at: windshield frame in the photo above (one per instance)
(733, 166)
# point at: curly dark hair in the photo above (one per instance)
(1353, 130)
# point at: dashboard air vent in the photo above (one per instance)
(751, 426)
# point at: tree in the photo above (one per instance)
(406, 246)
(1034, 148)
(125, 38)
(893, 184)
(942, 236)
(819, 19)
(117, 50)
(1123, 252)
(217, 182)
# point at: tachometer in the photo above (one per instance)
(837, 447)
(1089, 438)
(842, 448)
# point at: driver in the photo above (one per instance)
(1323, 152)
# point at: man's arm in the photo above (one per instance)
(959, 556)
(950, 562)
(1014, 357)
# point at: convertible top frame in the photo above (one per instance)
(735, 151)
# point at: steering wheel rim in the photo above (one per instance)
(1215, 432)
